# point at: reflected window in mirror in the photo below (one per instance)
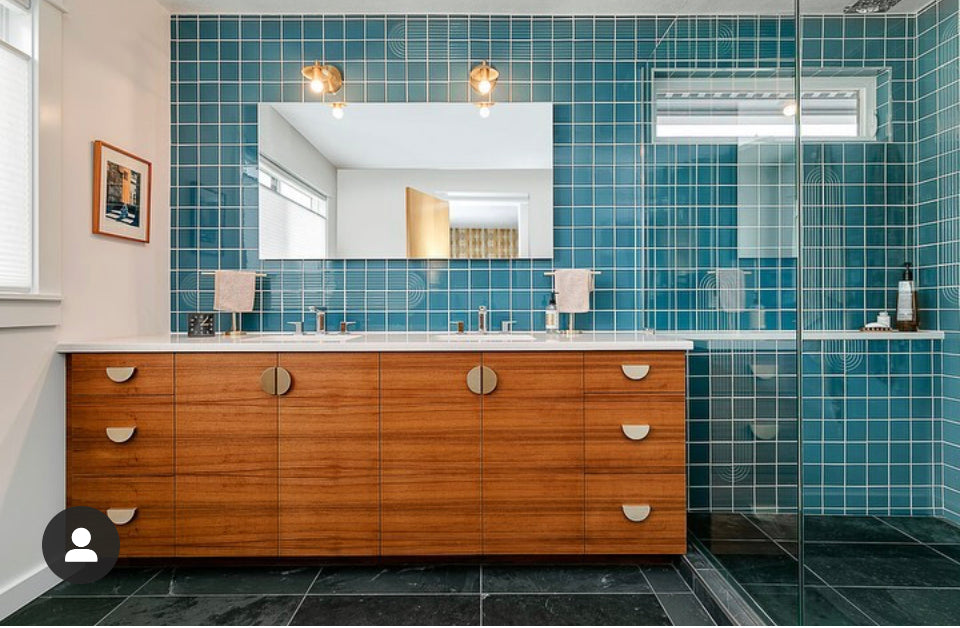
(293, 215)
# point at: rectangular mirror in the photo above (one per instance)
(405, 181)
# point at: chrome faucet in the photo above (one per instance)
(321, 314)
(482, 320)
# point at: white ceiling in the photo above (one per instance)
(524, 7)
(428, 136)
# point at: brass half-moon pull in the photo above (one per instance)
(635, 432)
(482, 380)
(636, 513)
(120, 434)
(284, 381)
(635, 372)
(121, 516)
(268, 380)
(120, 374)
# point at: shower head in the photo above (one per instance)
(867, 7)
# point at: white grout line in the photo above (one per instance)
(149, 580)
(305, 594)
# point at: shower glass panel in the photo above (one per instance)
(880, 439)
(721, 261)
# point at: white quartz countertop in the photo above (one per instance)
(383, 342)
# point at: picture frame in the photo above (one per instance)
(122, 185)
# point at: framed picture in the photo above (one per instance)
(121, 193)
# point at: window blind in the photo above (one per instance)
(16, 170)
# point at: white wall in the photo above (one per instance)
(287, 147)
(371, 220)
(115, 86)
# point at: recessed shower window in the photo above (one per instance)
(293, 215)
(736, 108)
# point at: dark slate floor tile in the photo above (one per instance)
(573, 610)
(865, 564)
(926, 529)
(385, 610)
(850, 529)
(120, 581)
(221, 610)
(684, 609)
(63, 611)
(231, 581)
(755, 562)
(953, 551)
(564, 579)
(410, 579)
(822, 606)
(665, 579)
(777, 527)
(724, 526)
(911, 607)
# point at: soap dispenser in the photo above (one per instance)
(907, 319)
(552, 315)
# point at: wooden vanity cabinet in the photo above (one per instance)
(392, 454)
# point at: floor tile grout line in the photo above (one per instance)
(316, 577)
(688, 591)
(124, 600)
(923, 543)
(646, 578)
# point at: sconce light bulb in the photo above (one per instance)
(337, 112)
(790, 109)
(484, 112)
(316, 85)
(484, 86)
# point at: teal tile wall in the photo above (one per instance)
(938, 217)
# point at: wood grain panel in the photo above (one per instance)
(603, 373)
(533, 454)
(226, 456)
(150, 533)
(329, 455)
(430, 455)
(148, 452)
(608, 450)
(88, 374)
(610, 532)
(226, 515)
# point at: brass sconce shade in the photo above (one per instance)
(483, 78)
(324, 79)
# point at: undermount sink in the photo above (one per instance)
(334, 337)
(491, 337)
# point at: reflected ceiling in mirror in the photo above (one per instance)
(406, 180)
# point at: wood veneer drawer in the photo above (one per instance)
(616, 505)
(123, 437)
(635, 434)
(634, 371)
(120, 374)
(223, 515)
(150, 530)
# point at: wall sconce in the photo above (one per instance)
(483, 78)
(324, 79)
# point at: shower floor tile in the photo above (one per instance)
(860, 569)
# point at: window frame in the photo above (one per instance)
(865, 86)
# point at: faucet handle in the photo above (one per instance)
(345, 326)
(507, 326)
(297, 327)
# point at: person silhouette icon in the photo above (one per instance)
(81, 553)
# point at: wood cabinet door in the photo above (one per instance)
(533, 460)
(430, 455)
(329, 455)
(226, 456)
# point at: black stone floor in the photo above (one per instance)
(569, 595)
(859, 570)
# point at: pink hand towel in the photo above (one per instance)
(234, 290)
(573, 286)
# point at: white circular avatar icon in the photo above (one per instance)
(81, 553)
